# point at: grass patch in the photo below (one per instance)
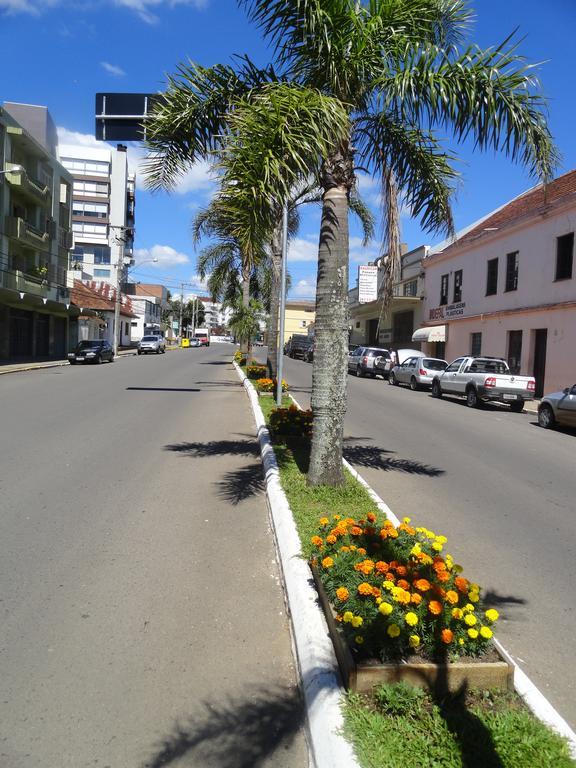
(402, 726)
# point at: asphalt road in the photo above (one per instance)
(499, 487)
(142, 620)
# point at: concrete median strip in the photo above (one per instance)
(317, 664)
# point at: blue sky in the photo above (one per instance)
(60, 53)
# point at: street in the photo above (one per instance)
(498, 486)
(142, 614)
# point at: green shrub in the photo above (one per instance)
(291, 422)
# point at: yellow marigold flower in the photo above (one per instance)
(452, 596)
(473, 633)
(347, 617)
(365, 588)
(413, 641)
(385, 609)
(331, 539)
(357, 621)
(425, 559)
(378, 600)
(361, 551)
(460, 641)
(353, 548)
(416, 549)
(359, 639)
(468, 607)
(411, 619)
(393, 630)
(317, 541)
(441, 539)
(406, 520)
(342, 593)
(436, 546)
(335, 517)
(324, 521)
(457, 613)
(388, 585)
(486, 632)
(344, 549)
(327, 562)
(492, 614)
(473, 597)
(475, 587)
(470, 619)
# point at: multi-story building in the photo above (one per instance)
(148, 302)
(35, 237)
(506, 286)
(370, 324)
(103, 201)
(215, 315)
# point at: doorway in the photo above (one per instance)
(539, 372)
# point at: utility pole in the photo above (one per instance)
(280, 365)
(181, 311)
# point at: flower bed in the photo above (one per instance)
(291, 422)
(239, 357)
(255, 371)
(269, 385)
(395, 598)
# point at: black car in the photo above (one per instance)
(298, 346)
(91, 352)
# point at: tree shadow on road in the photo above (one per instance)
(215, 448)
(240, 484)
(373, 457)
(241, 733)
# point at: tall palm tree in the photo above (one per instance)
(398, 68)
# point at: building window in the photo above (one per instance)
(475, 344)
(90, 210)
(358, 324)
(444, 290)
(101, 273)
(514, 350)
(77, 254)
(492, 277)
(101, 254)
(457, 286)
(410, 288)
(512, 271)
(564, 256)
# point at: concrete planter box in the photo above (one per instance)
(361, 677)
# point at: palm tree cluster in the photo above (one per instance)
(377, 85)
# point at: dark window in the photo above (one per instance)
(564, 256)
(492, 277)
(514, 350)
(475, 344)
(77, 254)
(433, 365)
(457, 286)
(444, 290)
(101, 254)
(512, 271)
(455, 365)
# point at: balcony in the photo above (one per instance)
(25, 233)
(15, 280)
(34, 190)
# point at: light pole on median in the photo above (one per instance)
(280, 355)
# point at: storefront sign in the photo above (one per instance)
(450, 310)
(367, 283)
(384, 335)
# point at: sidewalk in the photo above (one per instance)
(33, 365)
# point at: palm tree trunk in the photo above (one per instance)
(246, 344)
(274, 343)
(329, 374)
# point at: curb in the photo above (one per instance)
(524, 687)
(315, 658)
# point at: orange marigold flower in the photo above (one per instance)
(366, 567)
(393, 533)
(435, 607)
(407, 529)
(350, 521)
(376, 592)
(452, 597)
(422, 584)
(342, 593)
(361, 551)
(381, 566)
(443, 576)
(328, 562)
(371, 517)
(404, 597)
(331, 539)
(365, 588)
(355, 530)
(401, 570)
(403, 583)
(461, 584)
(344, 549)
(389, 576)
(439, 566)
(415, 598)
(447, 636)
(338, 617)
(317, 541)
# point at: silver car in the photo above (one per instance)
(417, 371)
(369, 361)
(154, 344)
(558, 408)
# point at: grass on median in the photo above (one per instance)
(400, 726)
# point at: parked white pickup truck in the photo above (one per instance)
(483, 379)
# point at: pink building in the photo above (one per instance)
(506, 287)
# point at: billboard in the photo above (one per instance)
(367, 283)
(121, 116)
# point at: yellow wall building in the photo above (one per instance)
(298, 317)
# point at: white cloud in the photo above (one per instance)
(198, 284)
(303, 249)
(112, 69)
(143, 8)
(304, 289)
(165, 256)
(362, 254)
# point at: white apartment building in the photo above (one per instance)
(506, 286)
(103, 203)
(214, 314)
(147, 303)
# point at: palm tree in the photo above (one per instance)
(397, 68)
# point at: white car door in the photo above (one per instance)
(449, 380)
(406, 370)
(567, 408)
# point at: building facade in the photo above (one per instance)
(149, 301)
(370, 325)
(35, 237)
(103, 212)
(506, 287)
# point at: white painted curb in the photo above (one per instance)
(535, 700)
(315, 658)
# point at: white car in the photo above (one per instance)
(154, 344)
(417, 371)
(370, 361)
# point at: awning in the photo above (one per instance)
(430, 333)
